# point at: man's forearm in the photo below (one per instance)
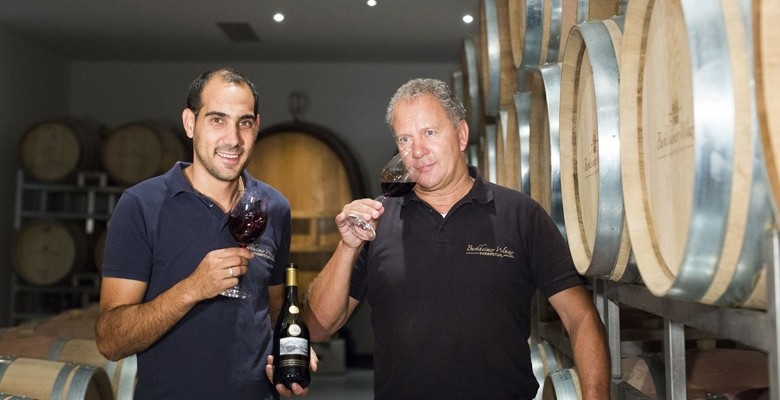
(128, 329)
(327, 305)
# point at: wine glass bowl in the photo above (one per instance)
(397, 178)
(247, 221)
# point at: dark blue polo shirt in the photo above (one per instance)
(159, 232)
(451, 296)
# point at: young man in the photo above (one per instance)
(452, 271)
(169, 254)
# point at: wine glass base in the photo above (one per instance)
(236, 293)
(361, 228)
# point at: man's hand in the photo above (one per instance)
(296, 388)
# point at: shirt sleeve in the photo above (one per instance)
(549, 256)
(128, 252)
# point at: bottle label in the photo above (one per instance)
(291, 345)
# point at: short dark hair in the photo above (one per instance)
(228, 75)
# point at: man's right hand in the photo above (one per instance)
(368, 209)
(218, 271)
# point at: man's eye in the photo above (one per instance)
(430, 132)
(216, 120)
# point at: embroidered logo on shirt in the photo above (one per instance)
(265, 253)
(485, 250)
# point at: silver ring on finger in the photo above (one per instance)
(230, 271)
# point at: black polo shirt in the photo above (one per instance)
(159, 232)
(451, 295)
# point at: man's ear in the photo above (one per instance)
(188, 121)
(463, 134)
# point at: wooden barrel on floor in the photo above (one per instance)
(44, 379)
(72, 323)
(54, 150)
(544, 142)
(318, 174)
(766, 35)
(121, 373)
(497, 69)
(139, 150)
(535, 31)
(694, 184)
(44, 252)
(591, 186)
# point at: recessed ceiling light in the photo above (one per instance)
(371, 3)
(278, 17)
(468, 19)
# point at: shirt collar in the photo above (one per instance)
(178, 183)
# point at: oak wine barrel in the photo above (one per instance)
(44, 379)
(535, 30)
(139, 150)
(318, 174)
(563, 384)
(577, 12)
(694, 184)
(54, 150)
(497, 70)
(591, 187)
(766, 35)
(471, 92)
(78, 351)
(544, 142)
(45, 252)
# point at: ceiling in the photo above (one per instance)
(313, 30)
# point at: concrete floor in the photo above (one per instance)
(355, 384)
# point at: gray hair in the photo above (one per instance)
(418, 87)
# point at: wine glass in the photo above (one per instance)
(247, 221)
(396, 179)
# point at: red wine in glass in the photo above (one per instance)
(396, 189)
(246, 222)
(397, 179)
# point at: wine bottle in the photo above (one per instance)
(291, 338)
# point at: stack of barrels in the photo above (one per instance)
(55, 150)
(56, 155)
(57, 357)
(647, 130)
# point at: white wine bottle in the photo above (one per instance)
(291, 338)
